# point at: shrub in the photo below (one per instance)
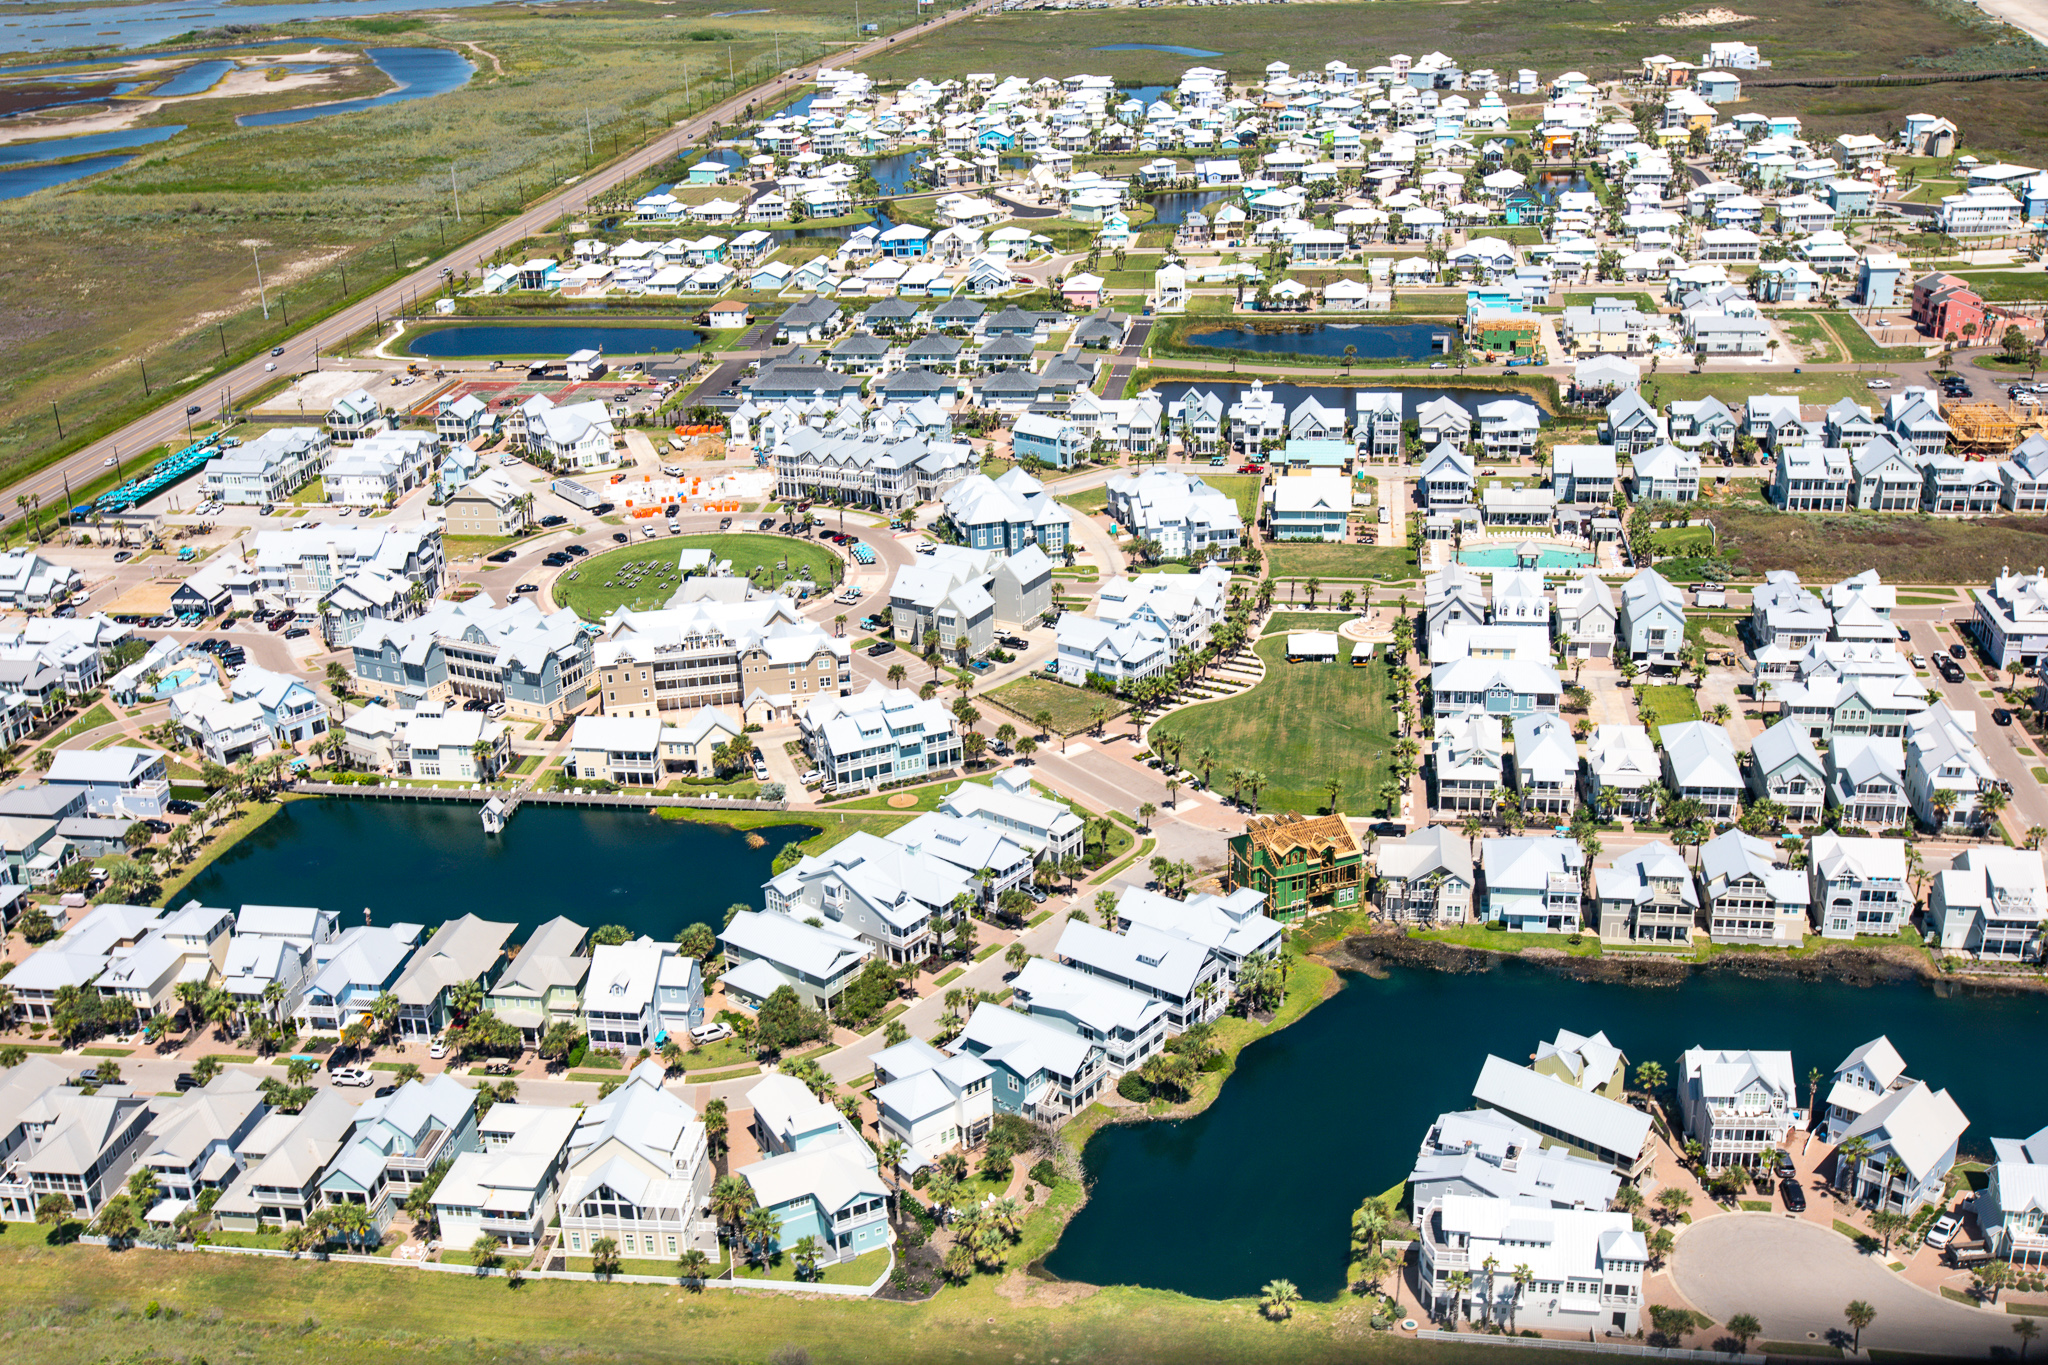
(1044, 1174)
(1133, 1088)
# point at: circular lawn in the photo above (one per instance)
(643, 575)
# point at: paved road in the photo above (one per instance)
(302, 352)
(1796, 1277)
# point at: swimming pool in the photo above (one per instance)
(1503, 557)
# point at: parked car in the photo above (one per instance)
(1785, 1170)
(502, 556)
(1013, 642)
(437, 1049)
(621, 538)
(1958, 652)
(123, 556)
(576, 550)
(1905, 633)
(555, 520)
(725, 523)
(181, 807)
(1795, 1197)
(1877, 383)
(297, 633)
(1944, 1231)
(881, 647)
(2001, 716)
(355, 1075)
(527, 587)
(766, 523)
(705, 1034)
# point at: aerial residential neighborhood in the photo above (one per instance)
(813, 715)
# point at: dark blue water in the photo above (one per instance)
(483, 340)
(194, 79)
(425, 862)
(1340, 395)
(420, 72)
(1156, 47)
(26, 180)
(15, 153)
(1323, 1115)
(800, 107)
(1171, 210)
(892, 173)
(1145, 93)
(1375, 341)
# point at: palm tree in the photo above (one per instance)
(1278, 1298)
(731, 1198)
(1860, 1316)
(1523, 1277)
(1458, 1282)
(807, 1253)
(1743, 1327)
(2026, 1329)
(695, 1268)
(759, 1230)
(1849, 1158)
(604, 1256)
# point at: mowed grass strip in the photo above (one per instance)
(1302, 725)
(609, 581)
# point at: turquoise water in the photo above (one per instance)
(1503, 557)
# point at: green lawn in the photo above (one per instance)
(606, 582)
(1669, 703)
(862, 1269)
(1243, 489)
(1281, 622)
(2009, 286)
(1683, 540)
(1311, 559)
(1504, 941)
(1302, 725)
(1072, 708)
(94, 717)
(1822, 389)
(1089, 500)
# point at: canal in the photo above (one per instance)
(1323, 1115)
(426, 862)
(484, 341)
(421, 73)
(1372, 341)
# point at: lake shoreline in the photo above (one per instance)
(1863, 965)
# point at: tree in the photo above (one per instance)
(2026, 1329)
(117, 1221)
(1887, 1225)
(1017, 955)
(1649, 1077)
(695, 1268)
(807, 1253)
(697, 940)
(1743, 1327)
(610, 935)
(760, 1230)
(483, 1252)
(731, 1198)
(53, 1210)
(604, 1256)
(1860, 1315)
(1673, 1201)
(1278, 1298)
(715, 1124)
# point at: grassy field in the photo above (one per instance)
(1683, 540)
(1670, 704)
(1302, 725)
(1310, 559)
(364, 194)
(1243, 489)
(1732, 389)
(1072, 708)
(1904, 548)
(599, 588)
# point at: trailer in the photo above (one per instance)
(572, 491)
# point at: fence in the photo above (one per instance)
(390, 1262)
(1610, 1347)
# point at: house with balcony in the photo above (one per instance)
(2013, 1209)
(116, 782)
(1466, 764)
(894, 897)
(1571, 1117)
(1230, 928)
(1646, 896)
(1585, 620)
(879, 736)
(930, 1102)
(283, 1158)
(1700, 763)
(1867, 780)
(1485, 1153)
(1811, 478)
(1738, 1106)
(1914, 1123)
(1942, 758)
(817, 1176)
(1449, 476)
(1862, 1078)
(2011, 623)
(507, 1187)
(396, 1143)
(766, 950)
(1783, 767)
(1495, 687)
(639, 1172)
(1545, 765)
(194, 1144)
(1652, 622)
(543, 985)
(1586, 1265)
(1038, 1070)
(350, 971)
(58, 1140)
(1128, 1025)
(190, 944)
(1751, 897)
(1183, 975)
(1620, 759)
(1533, 885)
(1666, 473)
(1989, 905)
(639, 994)
(1859, 886)
(462, 949)
(1426, 878)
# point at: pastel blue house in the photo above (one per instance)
(996, 139)
(1052, 440)
(396, 1142)
(819, 1177)
(905, 239)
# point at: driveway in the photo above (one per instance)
(1796, 1277)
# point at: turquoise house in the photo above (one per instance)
(820, 1178)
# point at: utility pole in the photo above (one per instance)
(60, 418)
(221, 332)
(261, 292)
(589, 143)
(454, 194)
(145, 374)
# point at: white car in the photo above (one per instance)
(355, 1075)
(437, 1049)
(1944, 1231)
(272, 365)
(709, 1033)
(1877, 383)
(674, 471)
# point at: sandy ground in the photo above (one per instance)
(127, 113)
(2028, 16)
(313, 394)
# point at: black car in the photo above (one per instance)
(2001, 716)
(766, 523)
(601, 509)
(556, 561)
(1905, 634)
(527, 587)
(1795, 1198)
(554, 521)
(297, 633)
(502, 556)
(186, 1081)
(157, 826)
(1013, 642)
(576, 550)
(621, 537)
(1958, 652)
(181, 807)
(881, 647)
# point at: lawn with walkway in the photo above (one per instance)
(1301, 725)
(643, 576)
